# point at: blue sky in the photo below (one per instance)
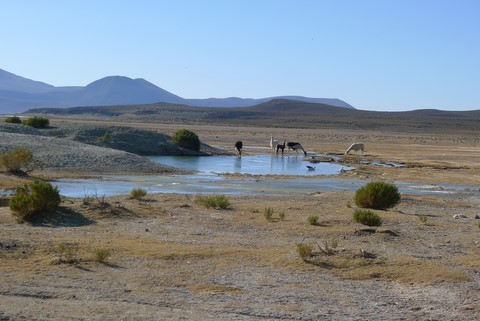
(375, 54)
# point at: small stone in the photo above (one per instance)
(477, 216)
(459, 216)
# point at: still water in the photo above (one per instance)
(206, 181)
(254, 165)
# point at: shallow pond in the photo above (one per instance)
(212, 184)
(254, 165)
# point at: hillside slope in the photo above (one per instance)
(283, 113)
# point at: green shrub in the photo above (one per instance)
(268, 213)
(313, 219)
(36, 122)
(186, 139)
(105, 137)
(216, 201)
(138, 193)
(282, 215)
(16, 159)
(101, 255)
(34, 199)
(377, 195)
(367, 217)
(13, 120)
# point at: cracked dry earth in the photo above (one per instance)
(173, 259)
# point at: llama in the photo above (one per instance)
(273, 144)
(356, 147)
(295, 146)
(281, 146)
(238, 147)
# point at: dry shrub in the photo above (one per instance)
(101, 255)
(16, 159)
(138, 193)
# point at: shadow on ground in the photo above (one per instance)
(63, 217)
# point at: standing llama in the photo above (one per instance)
(295, 146)
(273, 144)
(238, 147)
(356, 147)
(281, 147)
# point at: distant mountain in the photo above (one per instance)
(12, 82)
(18, 94)
(245, 102)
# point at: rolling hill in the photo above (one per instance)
(18, 94)
(282, 113)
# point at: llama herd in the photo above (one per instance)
(276, 147)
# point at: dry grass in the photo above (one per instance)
(172, 250)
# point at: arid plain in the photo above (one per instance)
(173, 259)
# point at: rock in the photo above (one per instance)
(460, 216)
(477, 216)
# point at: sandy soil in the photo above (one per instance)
(172, 258)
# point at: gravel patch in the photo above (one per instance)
(60, 154)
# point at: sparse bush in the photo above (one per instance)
(216, 201)
(105, 137)
(186, 139)
(304, 250)
(268, 213)
(34, 199)
(377, 195)
(313, 219)
(422, 218)
(65, 253)
(13, 120)
(282, 215)
(16, 159)
(138, 193)
(101, 255)
(366, 217)
(36, 122)
(329, 247)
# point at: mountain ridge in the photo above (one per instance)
(19, 94)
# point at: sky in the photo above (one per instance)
(384, 55)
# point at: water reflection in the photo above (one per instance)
(237, 165)
(254, 165)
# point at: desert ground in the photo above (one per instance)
(172, 258)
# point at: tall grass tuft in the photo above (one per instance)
(138, 193)
(268, 213)
(101, 255)
(215, 201)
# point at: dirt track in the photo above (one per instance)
(172, 258)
